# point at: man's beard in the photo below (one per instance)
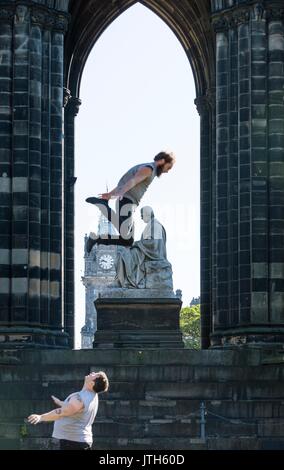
(159, 171)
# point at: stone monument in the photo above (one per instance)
(139, 308)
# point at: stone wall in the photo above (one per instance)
(154, 397)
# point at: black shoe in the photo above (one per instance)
(97, 200)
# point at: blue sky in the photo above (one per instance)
(138, 96)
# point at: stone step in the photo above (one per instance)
(224, 357)
(152, 428)
(214, 391)
(271, 428)
(172, 427)
(153, 396)
(161, 443)
(164, 427)
(171, 373)
(175, 373)
(153, 390)
(245, 443)
(9, 444)
(139, 339)
(10, 429)
(190, 408)
(116, 443)
(129, 428)
(144, 410)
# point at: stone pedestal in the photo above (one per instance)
(138, 323)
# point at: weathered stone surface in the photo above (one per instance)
(236, 52)
(158, 275)
(249, 133)
(31, 79)
(151, 404)
(138, 323)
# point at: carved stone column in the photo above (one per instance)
(72, 106)
(205, 108)
(250, 173)
(31, 80)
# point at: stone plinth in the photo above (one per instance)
(138, 323)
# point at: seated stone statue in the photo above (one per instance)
(145, 264)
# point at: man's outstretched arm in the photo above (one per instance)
(119, 191)
(75, 405)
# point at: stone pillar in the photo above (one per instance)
(31, 85)
(249, 173)
(72, 105)
(206, 108)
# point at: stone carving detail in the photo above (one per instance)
(231, 20)
(258, 11)
(234, 18)
(201, 104)
(206, 102)
(21, 14)
(66, 96)
(73, 105)
(220, 23)
(242, 16)
(275, 14)
(50, 20)
(145, 264)
(40, 16)
(61, 24)
(6, 14)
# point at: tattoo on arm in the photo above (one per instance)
(58, 411)
(78, 397)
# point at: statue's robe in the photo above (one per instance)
(151, 247)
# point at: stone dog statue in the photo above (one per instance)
(145, 264)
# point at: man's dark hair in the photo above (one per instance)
(101, 383)
(168, 157)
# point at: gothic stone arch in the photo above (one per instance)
(190, 22)
(236, 51)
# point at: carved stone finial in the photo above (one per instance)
(201, 103)
(220, 23)
(73, 105)
(66, 96)
(178, 294)
(258, 11)
(61, 23)
(21, 14)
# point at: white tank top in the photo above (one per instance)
(78, 427)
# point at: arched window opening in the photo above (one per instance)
(137, 95)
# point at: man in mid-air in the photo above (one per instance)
(128, 193)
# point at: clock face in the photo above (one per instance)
(106, 262)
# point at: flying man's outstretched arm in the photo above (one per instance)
(119, 191)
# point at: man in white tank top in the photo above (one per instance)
(128, 192)
(74, 417)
